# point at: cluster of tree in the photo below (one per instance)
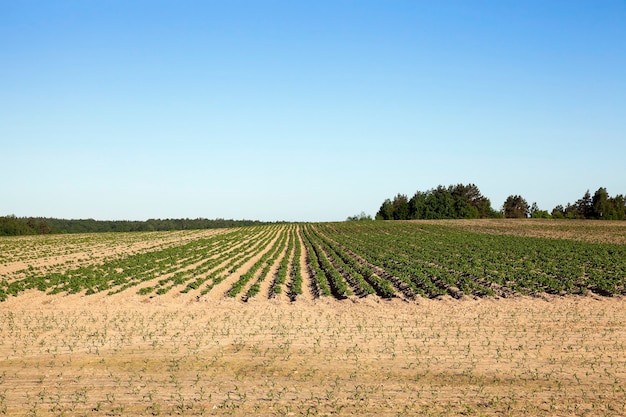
(13, 226)
(452, 202)
(601, 207)
(16, 226)
(359, 217)
(465, 202)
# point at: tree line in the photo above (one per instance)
(466, 202)
(599, 206)
(18, 226)
(452, 202)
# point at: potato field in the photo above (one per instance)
(351, 259)
(479, 318)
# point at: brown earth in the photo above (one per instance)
(130, 355)
(595, 231)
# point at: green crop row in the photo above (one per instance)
(438, 259)
(283, 267)
(382, 258)
(235, 261)
(321, 280)
(338, 286)
(267, 261)
(364, 279)
(295, 286)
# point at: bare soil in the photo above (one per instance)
(130, 355)
(595, 231)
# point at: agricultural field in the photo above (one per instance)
(490, 317)
(352, 259)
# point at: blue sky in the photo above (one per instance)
(305, 110)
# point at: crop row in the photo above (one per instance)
(387, 259)
(283, 268)
(338, 271)
(232, 262)
(124, 272)
(437, 259)
(295, 286)
(265, 261)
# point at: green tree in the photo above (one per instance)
(600, 204)
(386, 211)
(13, 226)
(452, 202)
(583, 207)
(515, 207)
(617, 208)
(470, 202)
(359, 217)
(417, 205)
(558, 212)
(401, 207)
(441, 204)
(536, 213)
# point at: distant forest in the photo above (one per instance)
(18, 226)
(452, 202)
(466, 202)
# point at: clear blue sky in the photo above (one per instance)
(305, 110)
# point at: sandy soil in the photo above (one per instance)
(595, 231)
(130, 355)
